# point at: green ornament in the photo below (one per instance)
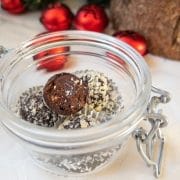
(99, 2)
(39, 4)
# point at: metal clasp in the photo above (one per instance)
(2, 51)
(146, 141)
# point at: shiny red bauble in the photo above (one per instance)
(56, 17)
(134, 39)
(13, 6)
(91, 17)
(54, 62)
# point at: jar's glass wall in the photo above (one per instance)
(95, 147)
(23, 74)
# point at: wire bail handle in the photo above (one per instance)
(157, 120)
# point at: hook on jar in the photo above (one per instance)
(150, 139)
(148, 154)
(164, 95)
(3, 51)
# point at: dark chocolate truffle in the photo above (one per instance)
(65, 93)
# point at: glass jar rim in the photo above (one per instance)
(25, 129)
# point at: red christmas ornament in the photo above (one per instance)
(116, 58)
(56, 17)
(91, 17)
(134, 39)
(13, 6)
(52, 63)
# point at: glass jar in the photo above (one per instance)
(83, 151)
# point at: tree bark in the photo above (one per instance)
(157, 20)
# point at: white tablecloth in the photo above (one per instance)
(15, 164)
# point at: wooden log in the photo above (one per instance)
(157, 20)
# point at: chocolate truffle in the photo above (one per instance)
(65, 93)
